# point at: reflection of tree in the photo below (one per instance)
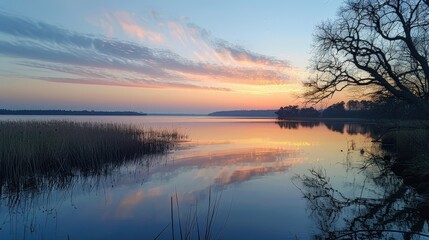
(296, 124)
(288, 124)
(358, 128)
(310, 124)
(382, 208)
(335, 126)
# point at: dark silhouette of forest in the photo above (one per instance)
(364, 109)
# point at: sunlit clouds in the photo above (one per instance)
(131, 27)
(156, 56)
(147, 58)
(105, 60)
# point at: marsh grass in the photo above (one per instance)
(33, 151)
(189, 226)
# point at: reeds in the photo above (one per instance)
(191, 227)
(32, 151)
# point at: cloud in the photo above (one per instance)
(137, 83)
(246, 57)
(129, 25)
(228, 51)
(88, 59)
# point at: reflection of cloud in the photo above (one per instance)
(132, 200)
(236, 156)
(129, 202)
(81, 58)
(236, 165)
(247, 173)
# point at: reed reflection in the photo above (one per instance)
(217, 168)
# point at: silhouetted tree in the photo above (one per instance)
(382, 45)
(295, 112)
(288, 112)
(381, 107)
(335, 110)
(353, 105)
(309, 113)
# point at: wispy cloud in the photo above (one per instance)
(229, 52)
(130, 83)
(130, 25)
(73, 57)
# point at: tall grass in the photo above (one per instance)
(31, 151)
(191, 228)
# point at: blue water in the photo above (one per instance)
(248, 168)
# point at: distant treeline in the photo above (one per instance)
(245, 113)
(66, 112)
(355, 109)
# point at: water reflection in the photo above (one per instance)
(126, 206)
(32, 214)
(380, 207)
(233, 166)
(351, 128)
(288, 124)
(250, 162)
(335, 126)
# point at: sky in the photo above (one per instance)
(159, 56)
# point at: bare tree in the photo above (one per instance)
(381, 45)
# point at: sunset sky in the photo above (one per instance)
(156, 56)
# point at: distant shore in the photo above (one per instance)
(245, 113)
(70, 113)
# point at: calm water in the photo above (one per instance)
(255, 170)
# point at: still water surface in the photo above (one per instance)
(250, 166)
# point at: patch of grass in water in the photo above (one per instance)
(33, 151)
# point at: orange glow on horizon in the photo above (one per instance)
(52, 95)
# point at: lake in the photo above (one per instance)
(244, 178)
